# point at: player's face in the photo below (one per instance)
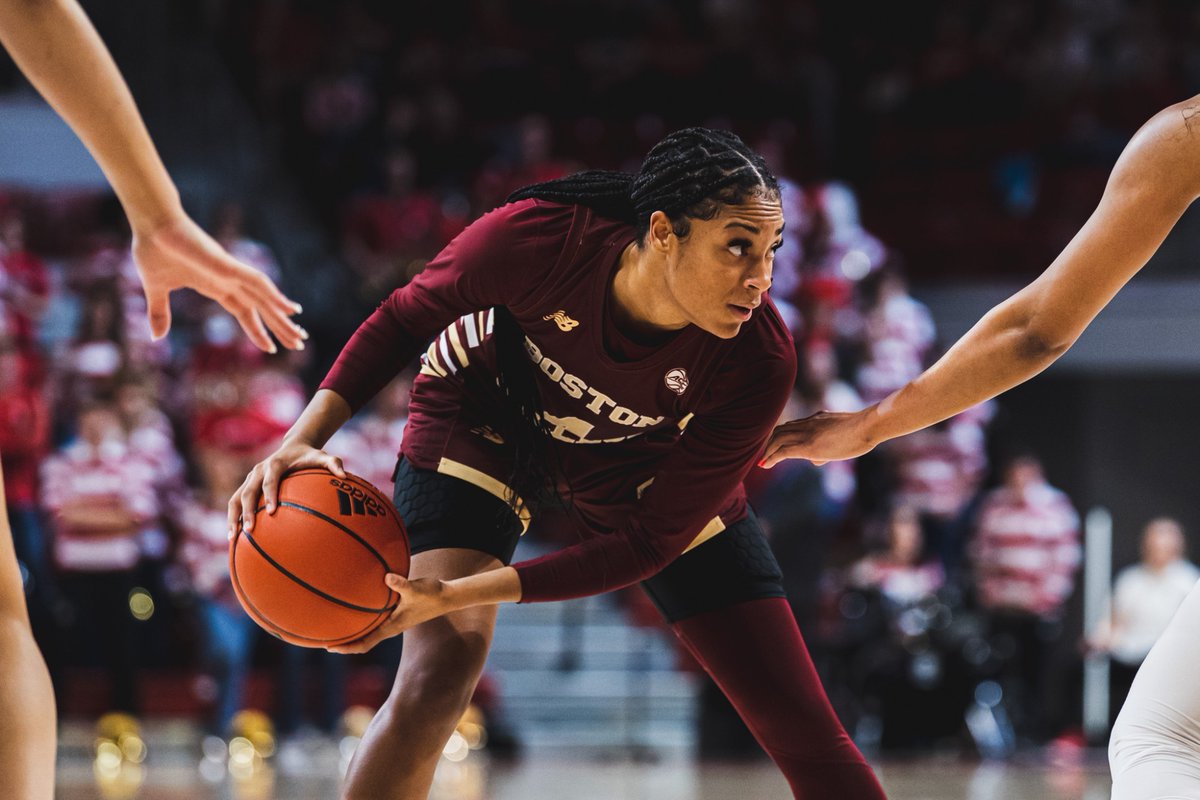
(719, 272)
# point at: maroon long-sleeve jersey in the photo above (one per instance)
(652, 443)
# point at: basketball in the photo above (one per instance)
(313, 572)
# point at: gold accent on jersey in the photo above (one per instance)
(683, 423)
(431, 362)
(456, 469)
(563, 322)
(456, 343)
(714, 527)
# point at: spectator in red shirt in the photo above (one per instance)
(24, 281)
(385, 232)
(24, 441)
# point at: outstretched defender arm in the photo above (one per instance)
(1153, 182)
(58, 49)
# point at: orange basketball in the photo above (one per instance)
(312, 572)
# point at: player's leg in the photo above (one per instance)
(27, 714)
(725, 602)
(1154, 748)
(443, 658)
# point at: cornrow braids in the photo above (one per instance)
(534, 474)
(688, 175)
(691, 173)
(607, 193)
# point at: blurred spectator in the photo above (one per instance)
(525, 156)
(938, 472)
(238, 401)
(97, 354)
(902, 662)
(901, 573)
(151, 438)
(838, 252)
(787, 275)
(228, 635)
(24, 284)
(1025, 554)
(101, 497)
(388, 236)
(337, 105)
(1145, 597)
(897, 337)
(24, 443)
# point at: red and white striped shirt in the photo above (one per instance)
(938, 470)
(110, 476)
(1026, 549)
(205, 550)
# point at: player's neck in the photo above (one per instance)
(641, 305)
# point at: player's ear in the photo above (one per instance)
(662, 232)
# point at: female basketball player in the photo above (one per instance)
(611, 349)
(56, 47)
(1154, 749)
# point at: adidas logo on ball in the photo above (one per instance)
(353, 500)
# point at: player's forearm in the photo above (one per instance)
(58, 49)
(1000, 352)
(321, 419)
(485, 588)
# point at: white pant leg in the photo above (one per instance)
(1154, 749)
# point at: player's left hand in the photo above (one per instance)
(179, 254)
(825, 436)
(421, 600)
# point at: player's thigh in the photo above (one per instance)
(455, 529)
(735, 566)
(442, 512)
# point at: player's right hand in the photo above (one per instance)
(263, 480)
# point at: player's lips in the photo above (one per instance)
(742, 312)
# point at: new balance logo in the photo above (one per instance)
(353, 500)
(563, 322)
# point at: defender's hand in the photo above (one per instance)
(178, 254)
(825, 436)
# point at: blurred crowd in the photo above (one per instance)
(932, 578)
(983, 112)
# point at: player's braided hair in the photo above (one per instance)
(688, 175)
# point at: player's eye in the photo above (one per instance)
(739, 247)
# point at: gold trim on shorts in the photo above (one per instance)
(456, 469)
